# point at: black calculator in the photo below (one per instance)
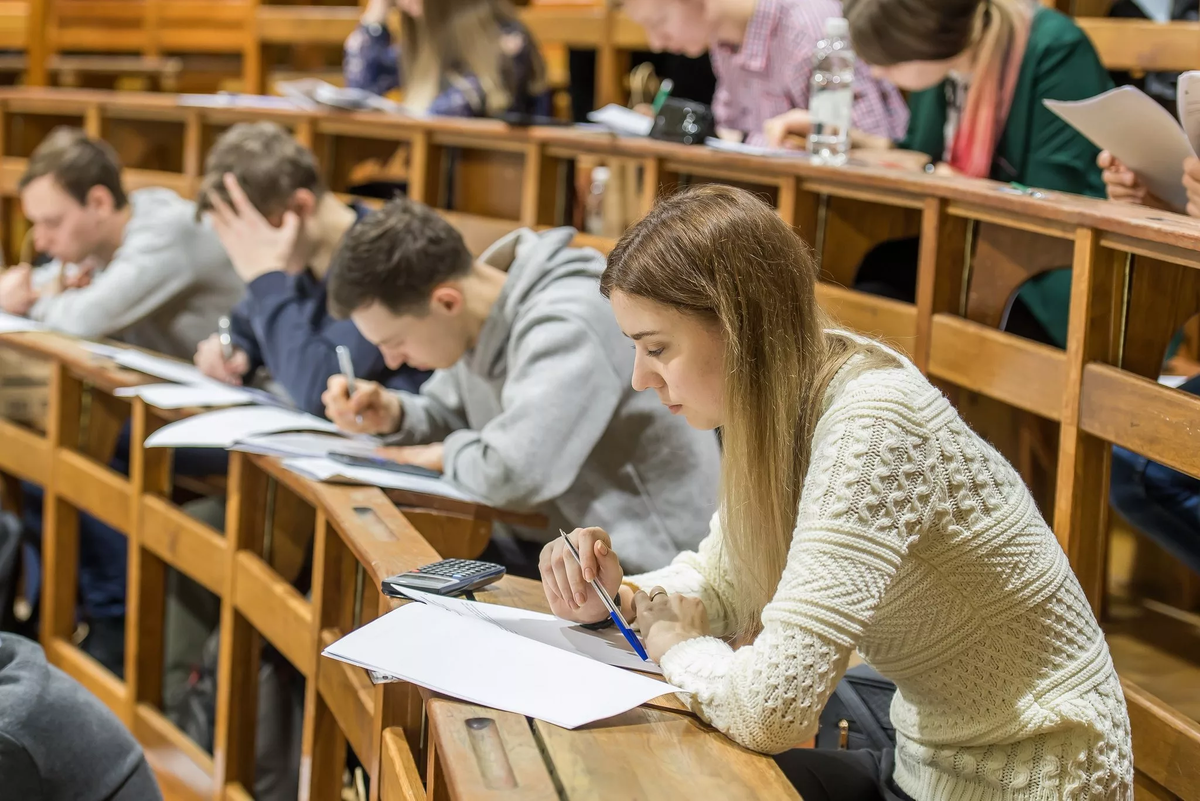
(447, 577)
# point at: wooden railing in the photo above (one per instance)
(1053, 412)
(151, 28)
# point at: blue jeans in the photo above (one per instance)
(1164, 504)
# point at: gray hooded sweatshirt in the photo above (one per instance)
(541, 415)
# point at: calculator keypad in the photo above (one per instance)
(457, 568)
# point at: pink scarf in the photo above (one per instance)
(988, 102)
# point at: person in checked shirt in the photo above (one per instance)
(762, 55)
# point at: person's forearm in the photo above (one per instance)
(869, 141)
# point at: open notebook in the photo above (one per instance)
(1142, 134)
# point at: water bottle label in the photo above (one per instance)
(831, 111)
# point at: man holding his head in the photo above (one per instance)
(531, 406)
(264, 195)
(135, 266)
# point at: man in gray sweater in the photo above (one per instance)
(531, 406)
(136, 267)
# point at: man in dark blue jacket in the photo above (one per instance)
(264, 196)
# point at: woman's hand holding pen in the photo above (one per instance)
(370, 410)
(567, 584)
(667, 620)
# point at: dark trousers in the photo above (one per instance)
(890, 270)
(828, 775)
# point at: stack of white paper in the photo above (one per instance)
(754, 150)
(321, 469)
(185, 396)
(468, 654)
(299, 444)
(1142, 134)
(12, 324)
(621, 120)
(223, 428)
(161, 367)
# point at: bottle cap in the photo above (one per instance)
(837, 26)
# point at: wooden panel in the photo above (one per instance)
(487, 755)
(278, 24)
(401, 780)
(647, 753)
(1143, 45)
(172, 754)
(350, 697)
(941, 272)
(1018, 372)
(184, 543)
(276, 610)
(88, 672)
(1141, 415)
(853, 227)
(93, 488)
(1166, 745)
(890, 320)
(25, 454)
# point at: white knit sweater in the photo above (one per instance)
(917, 544)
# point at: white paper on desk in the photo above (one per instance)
(1137, 130)
(100, 349)
(1187, 96)
(12, 324)
(185, 396)
(224, 427)
(472, 659)
(622, 120)
(161, 367)
(306, 444)
(327, 470)
(607, 645)
(754, 150)
(1157, 10)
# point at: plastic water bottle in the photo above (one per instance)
(831, 96)
(593, 219)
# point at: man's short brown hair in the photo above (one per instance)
(269, 164)
(77, 163)
(396, 256)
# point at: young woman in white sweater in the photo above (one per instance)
(858, 512)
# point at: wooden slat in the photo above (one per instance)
(401, 779)
(350, 697)
(1144, 45)
(172, 754)
(645, 753)
(1142, 415)
(278, 24)
(88, 672)
(487, 755)
(1166, 744)
(25, 454)
(276, 610)
(186, 544)
(236, 792)
(93, 488)
(1017, 371)
(890, 320)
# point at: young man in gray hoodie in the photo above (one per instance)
(133, 266)
(531, 406)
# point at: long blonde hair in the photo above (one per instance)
(888, 32)
(720, 253)
(454, 38)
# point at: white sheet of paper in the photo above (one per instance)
(161, 367)
(754, 150)
(472, 659)
(1157, 10)
(303, 444)
(1188, 100)
(100, 349)
(185, 396)
(222, 428)
(321, 469)
(607, 645)
(1173, 381)
(1138, 131)
(622, 120)
(12, 324)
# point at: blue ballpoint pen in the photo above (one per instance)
(613, 612)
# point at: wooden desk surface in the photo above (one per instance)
(657, 751)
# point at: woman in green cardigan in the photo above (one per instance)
(977, 72)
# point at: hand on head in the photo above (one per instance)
(210, 358)
(254, 245)
(371, 410)
(567, 582)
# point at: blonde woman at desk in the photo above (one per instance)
(859, 512)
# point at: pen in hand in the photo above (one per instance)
(613, 612)
(346, 365)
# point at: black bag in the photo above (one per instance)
(684, 122)
(857, 714)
